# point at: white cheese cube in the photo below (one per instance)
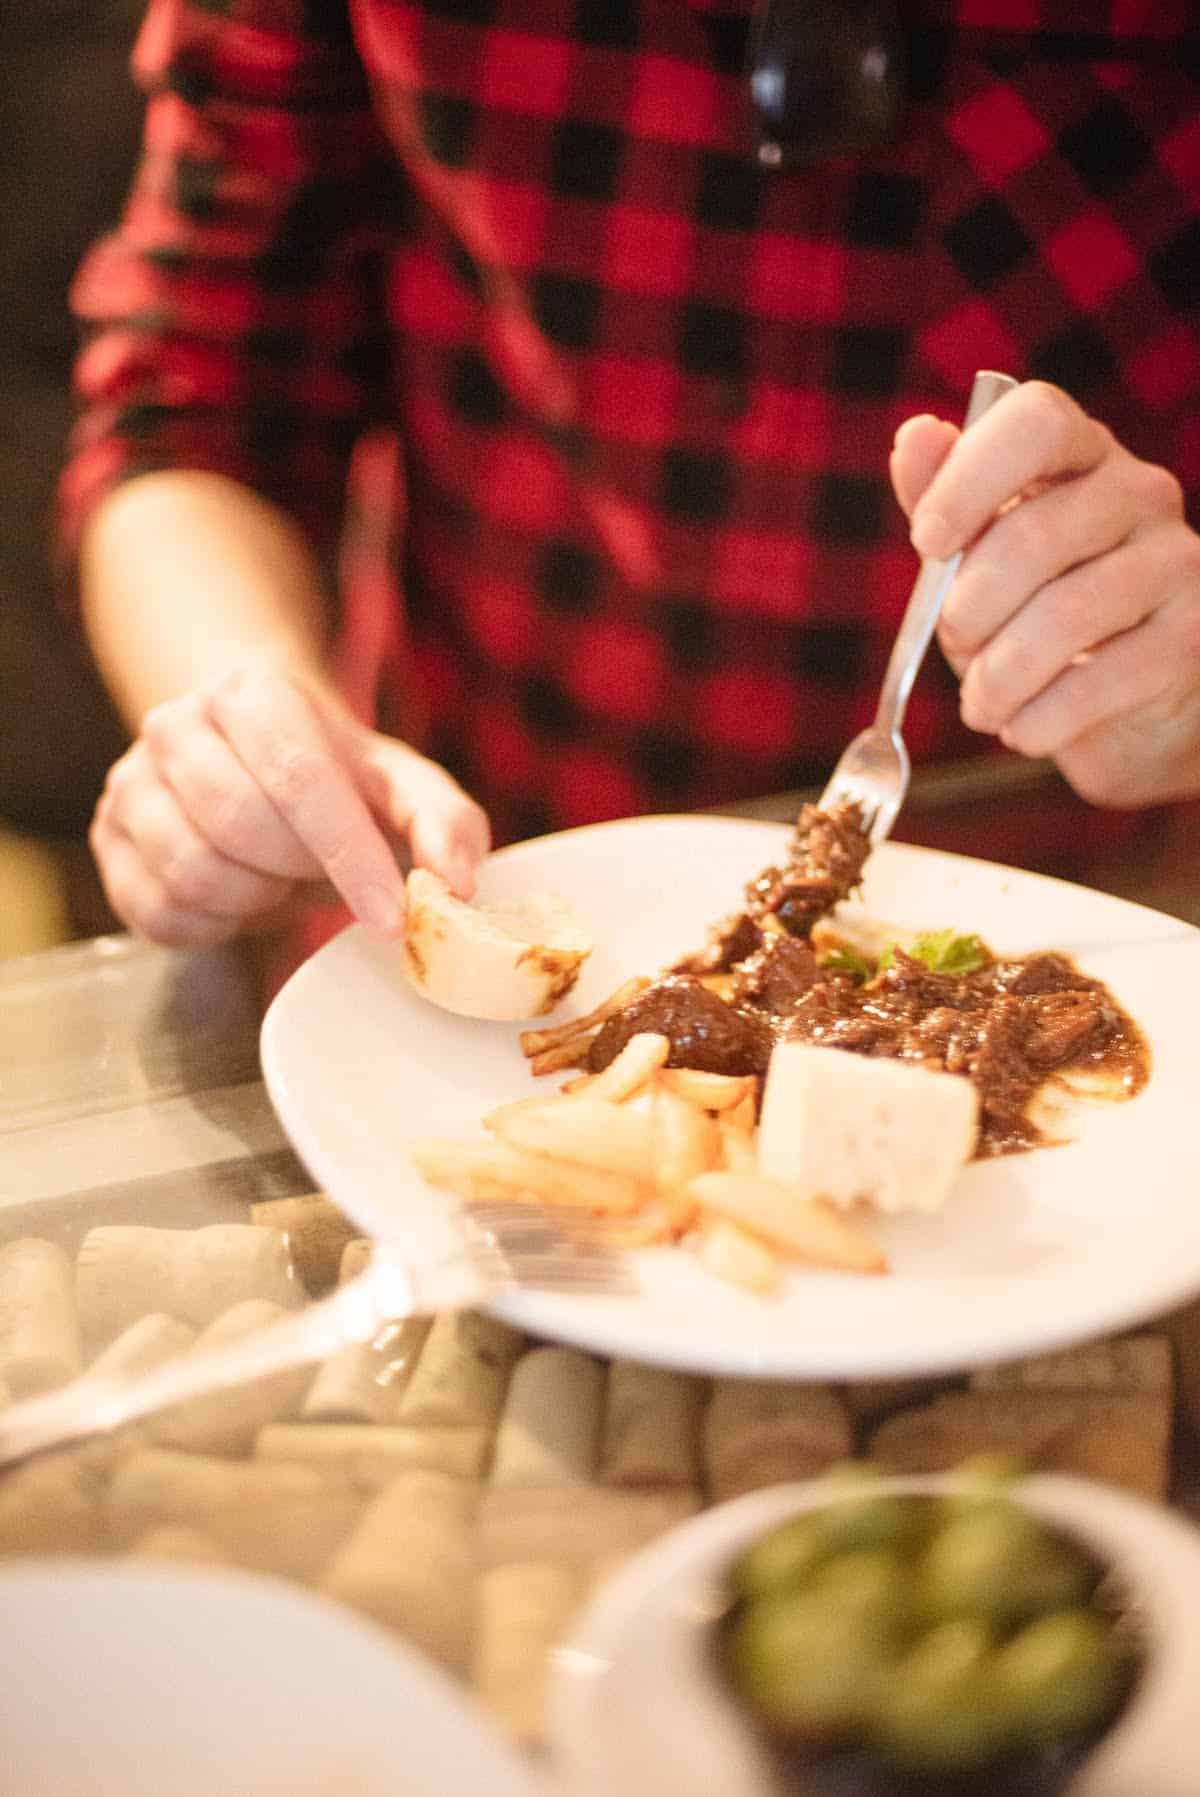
(845, 1127)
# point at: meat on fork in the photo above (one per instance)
(825, 864)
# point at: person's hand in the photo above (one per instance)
(1074, 623)
(237, 794)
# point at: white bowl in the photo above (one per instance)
(637, 1705)
(148, 1681)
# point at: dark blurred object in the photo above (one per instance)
(69, 126)
(826, 78)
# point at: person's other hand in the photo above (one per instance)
(1074, 623)
(235, 795)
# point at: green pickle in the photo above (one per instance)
(781, 1558)
(1061, 1673)
(944, 1638)
(807, 1674)
(789, 1553)
(994, 1560)
(869, 1589)
(939, 1711)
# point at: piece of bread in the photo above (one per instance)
(847, 1127)
(501, 961)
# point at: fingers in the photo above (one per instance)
(139, 898)
(219, 796)
(447, 831)
(1127, 673)
(1064, 526)
(1068, 619)
(194, 875)
(1074, 621)
(922, 445)
(278, 736)
(233, 795)
(451, 837)
(1034, 434)
(161, 877)
(1146, 675)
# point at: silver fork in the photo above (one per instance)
(493, 1247)
(874, 768)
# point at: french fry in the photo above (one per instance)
(628, 1072)
(583, 1131)
(479, 1171)
(556, 1060)
(667, 1152)
(738, 1152)
(535, 1042)
(686, 1140)
(711, 1091)
(802, 1226)
(494, 1120)
(732, 1253)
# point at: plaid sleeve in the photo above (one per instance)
(232, 321)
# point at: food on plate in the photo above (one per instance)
(825, 861)
(785, 970)
(793, 1072)
(904, 1642)
(665, 1154)
(851, 1128)
(705, 1032)
(502, 960)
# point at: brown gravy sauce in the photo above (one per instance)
(1011, 1026)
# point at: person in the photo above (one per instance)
(614, 400)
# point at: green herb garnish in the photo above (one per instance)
(848, 961)
(942, 951)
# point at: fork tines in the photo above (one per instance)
(555, 1248)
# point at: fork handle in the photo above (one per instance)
(355, 1312)
(932, 584)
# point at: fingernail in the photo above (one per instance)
(910, 423)
(930, 534)
(379, 908)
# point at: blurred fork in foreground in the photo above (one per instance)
(874, 769)
(501, 1247)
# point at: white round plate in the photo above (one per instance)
(637, 1705)
(1033, 1250)
(172, 1681)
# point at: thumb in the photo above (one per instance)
(414, 798)
(446, 831)
(921, 446)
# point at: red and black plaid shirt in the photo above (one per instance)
(636, 548)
